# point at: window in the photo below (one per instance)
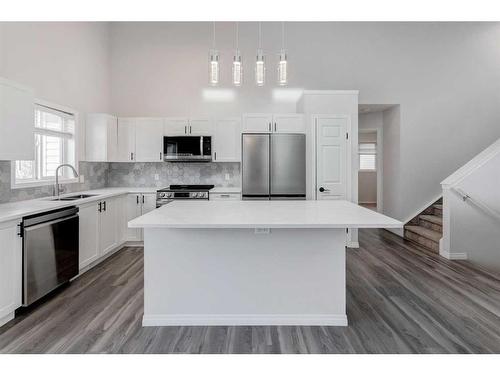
(54, 145)
(368, 156)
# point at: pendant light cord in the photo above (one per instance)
(260, 35)
(213, 35)
(282, 35)
(237, 35)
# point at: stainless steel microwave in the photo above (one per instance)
(187, 149)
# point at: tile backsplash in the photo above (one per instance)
(96, 176)
(99, 175)
(143, 174)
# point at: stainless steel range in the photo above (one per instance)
(174, 192)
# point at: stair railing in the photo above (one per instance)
(467, 198)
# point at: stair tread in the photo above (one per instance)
(438, 206)
(424, 232)
(432, 218)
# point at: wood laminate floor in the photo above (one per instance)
(400, 299)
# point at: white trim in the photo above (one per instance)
(420, 210)
(453, 256)
(353, 244)
(478, 161)
(245, 320)
(7, 318)
(37, 183)
(379, 166)
(331, 92)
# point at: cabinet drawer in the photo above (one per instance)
(225, 196)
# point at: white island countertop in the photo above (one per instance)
(263, 214)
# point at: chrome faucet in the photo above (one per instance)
(57, 188)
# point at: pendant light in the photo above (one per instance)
(260, 68)
(282, 65)
(237, 66)
(213, 67)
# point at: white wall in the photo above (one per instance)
(65, 63)
(444, 75)
(472, 231)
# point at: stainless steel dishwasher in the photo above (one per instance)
(50, 251)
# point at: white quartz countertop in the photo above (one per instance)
(16, 210)
(263, 214)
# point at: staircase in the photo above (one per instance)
(426, 229)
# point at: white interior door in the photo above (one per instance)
(331, 156)
(149, 139)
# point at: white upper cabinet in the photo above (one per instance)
(101, 137)
(201, 126)
(126, 139)
(289, 123)
(273, 123)
(227, 140)
(17, 122)
(149, 139)
(175, 126)
(257, 123)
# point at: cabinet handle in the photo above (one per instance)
(131, 156)
(275, 127)
(100, 207)
(269, 126)
(224, 195)
(190, 129)
(185, 129)
(104, 205)
(215, 155)
(21, 229)
(160, 157)
(143, 199)
(137, 199)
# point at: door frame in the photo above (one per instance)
(380, 166)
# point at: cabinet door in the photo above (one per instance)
(108, 237)
(148, 202)
(201, 127)
(17, 121)
(100, 137)
(257, 123)
(149, 139)
(176, 126)
(10, 270)
(133, 210)
(289, 123)
(227, 140)
(89, 234)
(121, 218)
(126, 139)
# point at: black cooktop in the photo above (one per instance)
(188, 188)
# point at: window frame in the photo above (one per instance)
(47, 181)
(375, 153)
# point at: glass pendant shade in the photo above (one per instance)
(282, 69)
(237, 69)
(260, 69)
(213, 67)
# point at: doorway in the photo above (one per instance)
(369, 170)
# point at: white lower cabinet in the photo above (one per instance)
(100, 229)
(225, 196)
(10, 270)
(138, 204)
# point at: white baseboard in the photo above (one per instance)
(7, 318)
(453, 256)
(353, 244)
(245, 320)
(134, 243)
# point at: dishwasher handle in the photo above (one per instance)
(47, 223)
(49, 216)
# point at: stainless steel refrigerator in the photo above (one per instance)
(274, 166)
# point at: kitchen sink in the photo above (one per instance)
(74, 197)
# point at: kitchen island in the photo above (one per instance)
(249, 262)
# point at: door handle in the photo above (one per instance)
(322, 189)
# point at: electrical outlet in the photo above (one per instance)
(81, 178)
(262, 230)
(226, 176)
(157, 177)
